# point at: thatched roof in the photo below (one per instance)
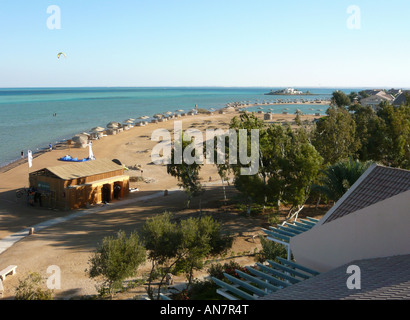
(113, 124)
(83, 169)
(97, 129)
(81, 138)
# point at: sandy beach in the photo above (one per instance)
(69, 244)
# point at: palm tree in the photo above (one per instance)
(339, 177)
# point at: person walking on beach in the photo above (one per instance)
(22, 154)
(50, 147)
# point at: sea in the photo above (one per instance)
(32, 118)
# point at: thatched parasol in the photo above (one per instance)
(113, 125)
(97, 129)
(80, 140)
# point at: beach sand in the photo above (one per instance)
(69, 244)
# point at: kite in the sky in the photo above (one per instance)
(61, 53)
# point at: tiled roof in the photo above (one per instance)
(401, 98)
(385, 95)
(381, 279)
(381, 183)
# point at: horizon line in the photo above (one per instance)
(209, 86)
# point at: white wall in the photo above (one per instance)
(380, 230)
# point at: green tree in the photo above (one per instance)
(395, 135)
(187, 173)
(370, 131)
(353, 95)
(337, 179)
(291, 164)
(162, 239)
(340, 99)
(222, 162)
(202, 237)
(253, 187)
(363, 94)
(180, 246)
(288, 165)
(298, 120)
(30, 288)
(271, 250)
(335, 136)
(116, 259)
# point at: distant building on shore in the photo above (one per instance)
(395, 92)
(288, 92)
(401, 99)
(377, 98)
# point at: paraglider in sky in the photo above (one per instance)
(61, 53)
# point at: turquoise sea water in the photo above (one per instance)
(27, 121)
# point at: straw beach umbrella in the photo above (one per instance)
(97, 129)
(80, 140)
(113, 125)
(128, 124)
(97, 132)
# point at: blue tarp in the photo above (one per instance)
(70, 159)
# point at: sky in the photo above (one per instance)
(227, 43)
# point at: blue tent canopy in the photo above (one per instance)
(70, 159)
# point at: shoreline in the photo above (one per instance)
(61, 144)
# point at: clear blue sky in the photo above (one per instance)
(205, 43)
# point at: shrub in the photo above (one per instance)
(218, 270)
(271, 250)
(116, 259)
(31, 289)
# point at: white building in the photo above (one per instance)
(370, 221)
(292, 91)
(375, 100)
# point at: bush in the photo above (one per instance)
(30, 289)
(203, 290)
(218, 270)
(115, 260)
(271, 250)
